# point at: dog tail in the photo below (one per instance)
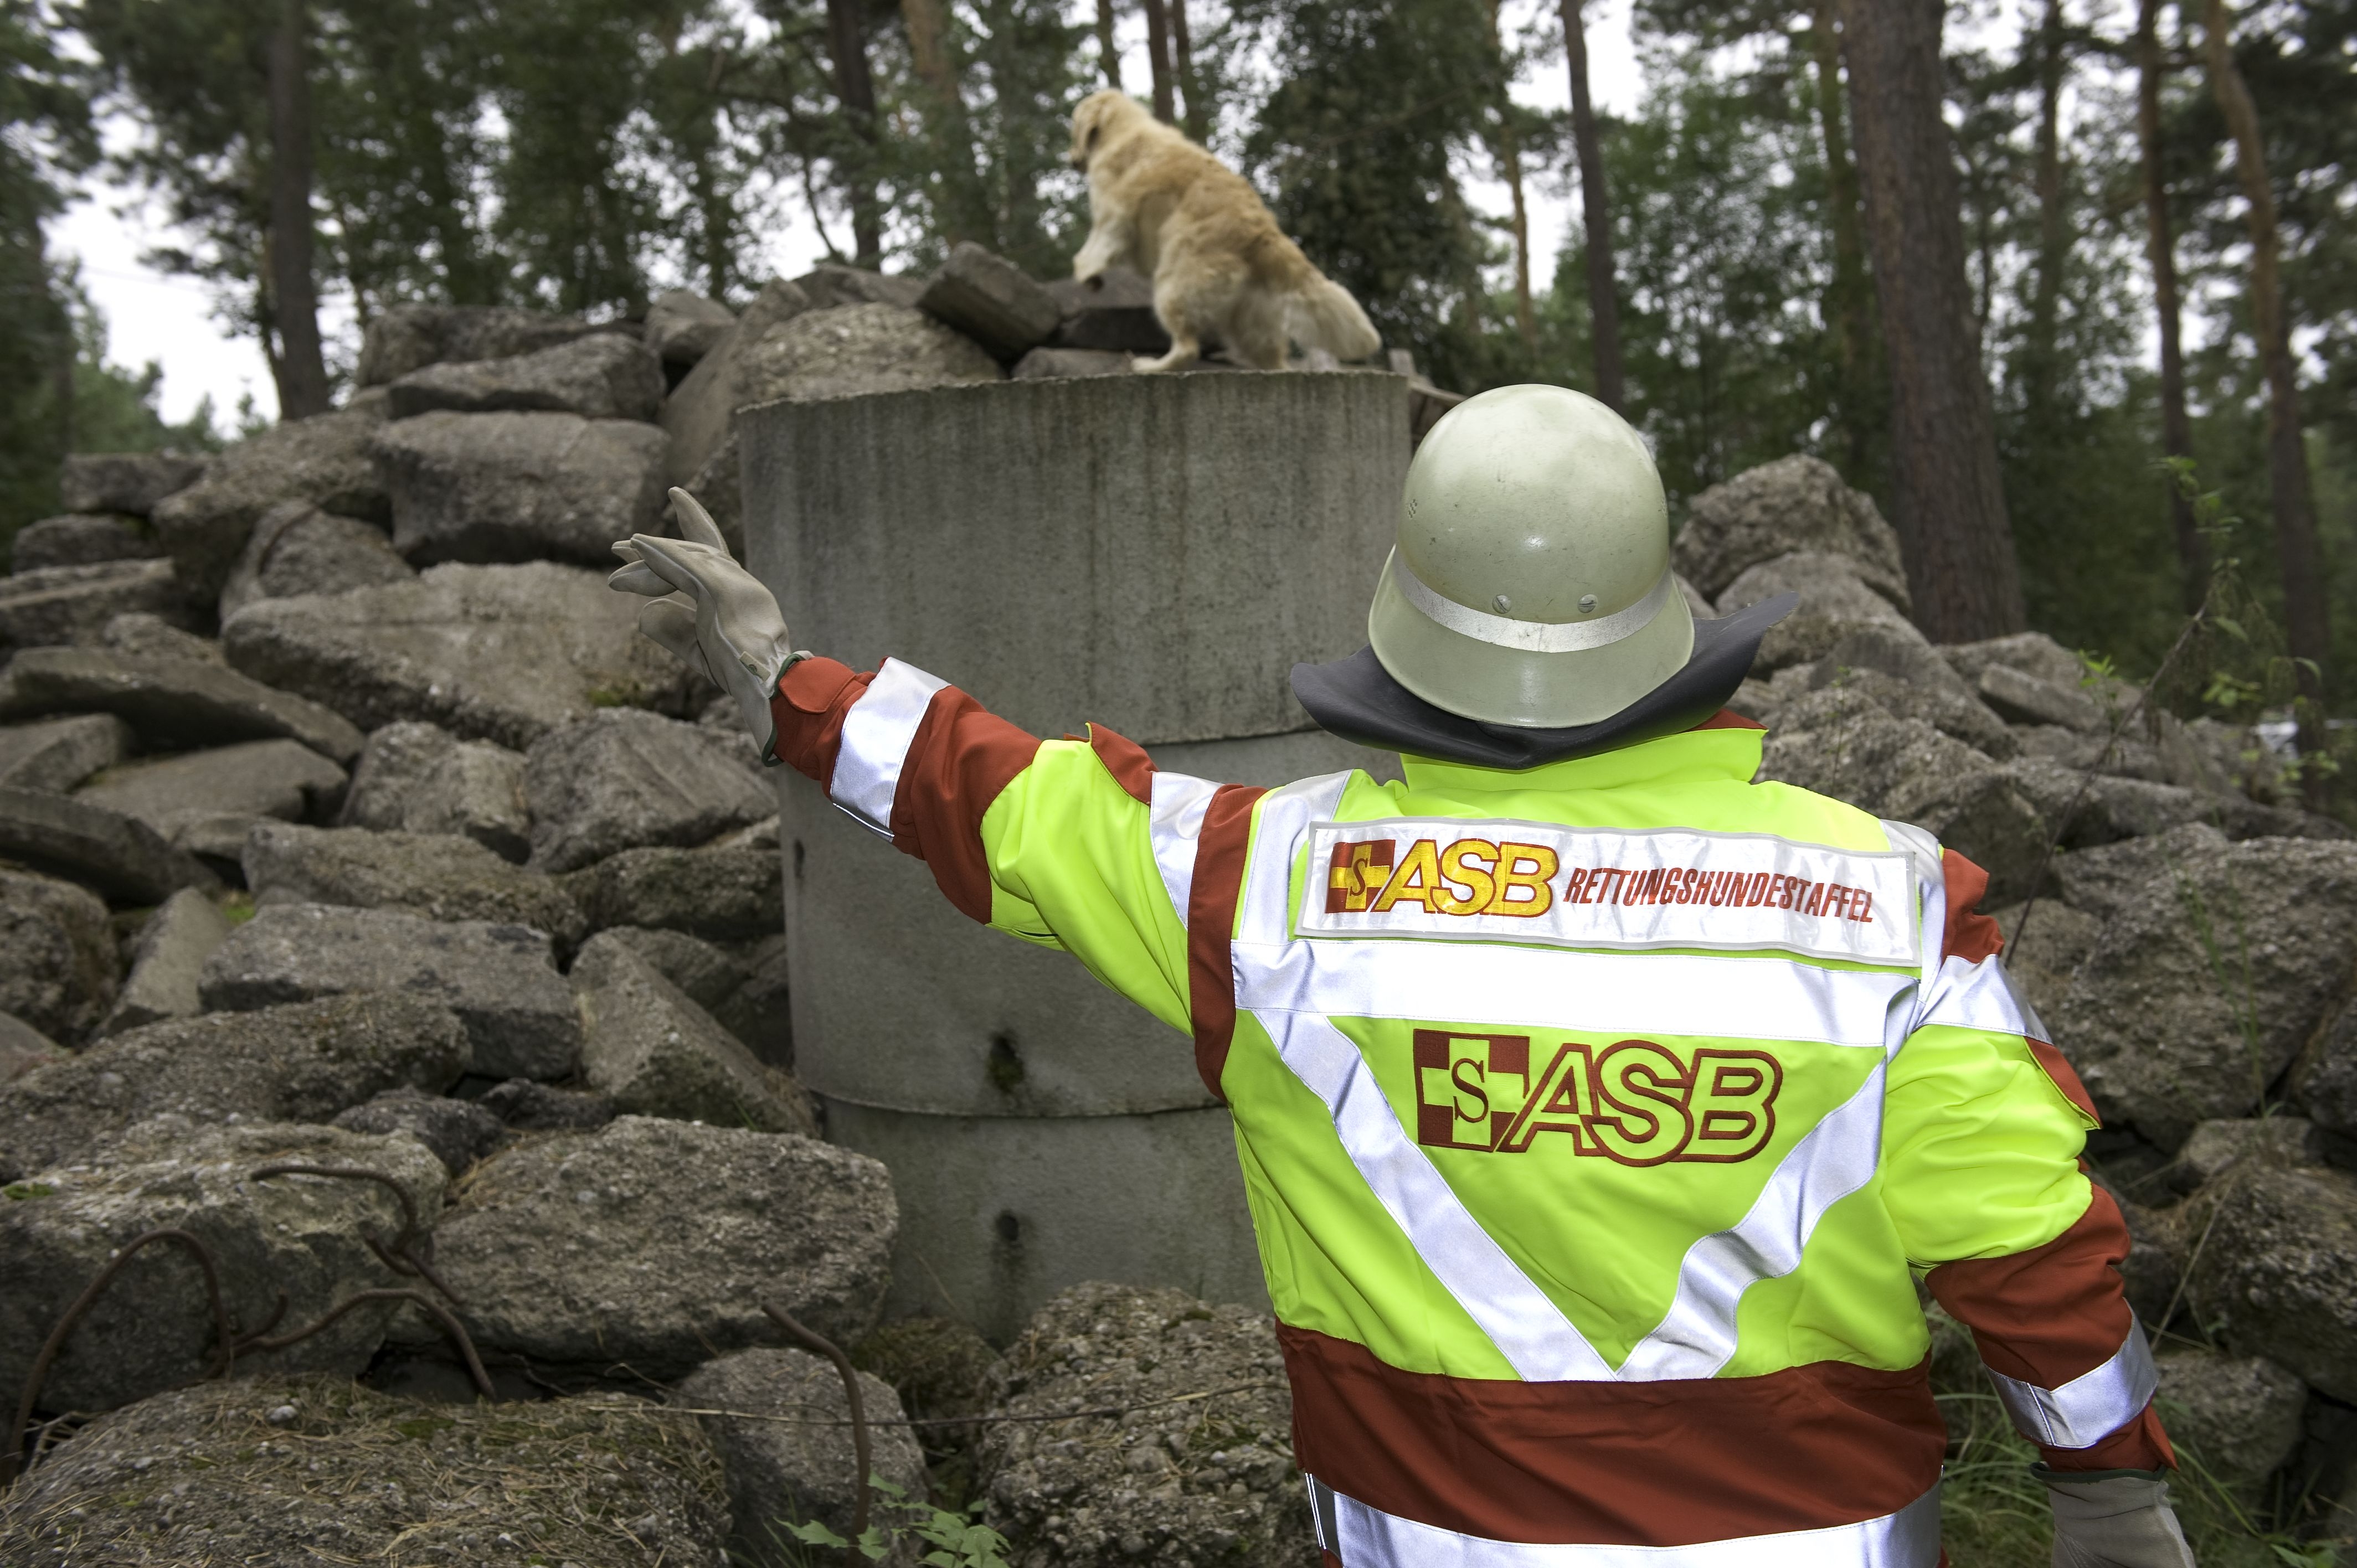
(1324, 315)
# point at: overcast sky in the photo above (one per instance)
(166, 318)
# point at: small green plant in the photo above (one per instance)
(957, 1540)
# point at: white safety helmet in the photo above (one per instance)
(1531, 582)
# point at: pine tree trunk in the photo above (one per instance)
(1595, 207)
(2039, 369)
(855, 88)
(1108, 47)
(1848, 309)
(1947, 494)
(961, 210)
(2161, 246)
(2297, 553)
(1510, 163)
(1193, 113)
(297, 365)
(1157, 58)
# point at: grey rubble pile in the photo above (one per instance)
(346, 821)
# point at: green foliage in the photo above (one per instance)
(956, 1540)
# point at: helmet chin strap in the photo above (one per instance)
(1358, 700)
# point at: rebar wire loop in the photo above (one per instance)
(418, 1298)
(403, 1256)
(850, 1375)
(73, 1315)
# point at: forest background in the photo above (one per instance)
(579, 154)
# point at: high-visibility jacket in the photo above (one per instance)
(1597, 1121)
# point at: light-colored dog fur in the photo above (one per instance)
(1221, 269)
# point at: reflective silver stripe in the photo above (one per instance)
(1969, 996)
(1369, 1538)
(1530, 636)
(2090, 1406)
(1174, 824)
(1648, 993)
(1520, 1318)
(877, 734)
(1696, 1337)
(1280, 823)
(1931, 928)
(1322, 1514)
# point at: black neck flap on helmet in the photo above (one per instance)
(1357, 699)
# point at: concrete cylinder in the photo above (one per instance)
(1149, 552)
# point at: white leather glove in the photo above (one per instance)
(2114, 1519)
(710, 613)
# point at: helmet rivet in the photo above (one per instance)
(1504, 603)
(1587, 604)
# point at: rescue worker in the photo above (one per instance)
(1598, 1107)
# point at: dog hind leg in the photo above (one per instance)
(1190, 303)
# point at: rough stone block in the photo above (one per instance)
(530, 1106)
(500, 979)
(785, 1463)
(411, 337)
(59, 963)
(2279, 1275)
(1793, 504)
(323, 459)
(306, 1470)
(127, 481)
(653, 1243)
(72, 604)
(697, 413)
(991, 300)
(119, 855)
(441, 876)
(2031, 653)
(169, 701)
(500, 653)
(144, 636)
(458, 1131)
(653, 1052)
(280, 778)
(23, 1047)
(79, 539)
(304, 1236)
(604, 376)
(421, 778)
(519, 487)
(722, 893)
(57, 753)
(1110, 546)
(1050, 364)
(305, 1062)
(298, 549)
(167, 962)
(2026, 700)
(627, 779)
(1112, 312)
(1836, 604)
(1198, 1481)
(831, 284)
(683, 326)
(2160, 1021)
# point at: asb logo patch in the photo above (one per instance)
(1633, 1101)
(1356, 873)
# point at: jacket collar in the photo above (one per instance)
(1697, 756)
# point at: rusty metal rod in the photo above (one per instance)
(419, 1298)
(850, 1375)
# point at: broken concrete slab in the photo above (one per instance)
(441, 876)
(298, 549)
(1793, 504)
(130, 482)
(410, 336)
(500, 653)
(653, 1052)
(23, 1047)
(57, 753)
(170, 702)
(1111, 312)
(625, 779)
(723, 894)
(303, 1062)
(59, 962)
(79, 538)
(683, 326)
(323, 459)
(167, 962)
(121, 856)
(2026, 700)
(281, 779)
(519, 487)
(991, 300)
(419, 778)
(459, 1131)
(501, 979)
(65, 604)
(144, 636)
(604, 376)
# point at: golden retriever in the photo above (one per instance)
(1164, 207)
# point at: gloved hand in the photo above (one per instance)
(710, 613)
(2114, 1519)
